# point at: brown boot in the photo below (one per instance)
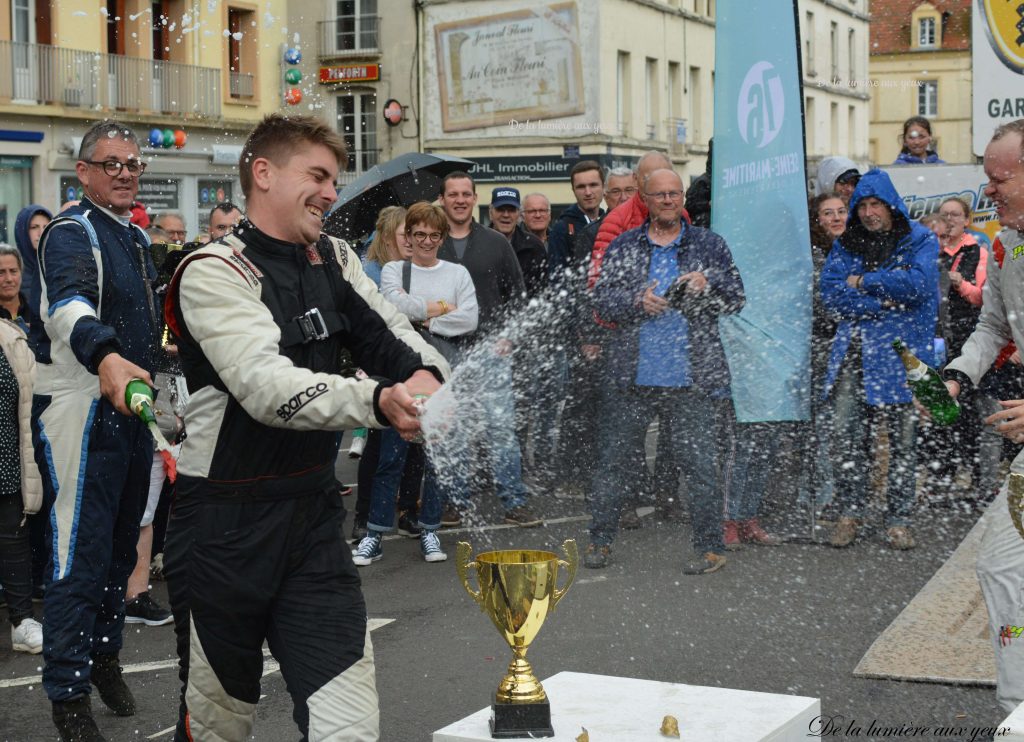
(900, 538)
(845, 532)
(752, 533)
(731, 535)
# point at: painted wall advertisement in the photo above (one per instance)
(514, 66)
(997, 45)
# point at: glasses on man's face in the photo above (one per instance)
(666, 195)
(113, 168)
(536, 212)
(616, 192)
(832, 213)
(426, 236)
(952, 215)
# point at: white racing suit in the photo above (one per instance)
(1001, 558)
(254, 547)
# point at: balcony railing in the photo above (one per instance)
(48, 74)
(350, 36)
(243, 84)
(359, 161)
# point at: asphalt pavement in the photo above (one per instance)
(793, 619)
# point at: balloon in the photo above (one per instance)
(168, 137)
(179, 138)
(156, 138)
(293, 97)
(293, 77)
(292, 55)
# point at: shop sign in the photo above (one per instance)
(349, 73)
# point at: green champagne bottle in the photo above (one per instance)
(928, 387)
(138, 395)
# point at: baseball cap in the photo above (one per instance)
(850, 176)
(506, 197)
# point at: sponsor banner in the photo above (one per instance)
(760, 207)
(538, 168)
(997, 59)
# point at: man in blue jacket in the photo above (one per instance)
(97, 330)
(881, 280)
(665, 360)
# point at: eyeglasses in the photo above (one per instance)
(113, 168)
(537, 212)
(952, 215)
(427, 236)
(829, 213)
(662, 195)
(616, 192)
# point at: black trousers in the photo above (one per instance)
(15, 558)
(240, 571)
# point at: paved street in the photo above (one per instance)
(794, 619)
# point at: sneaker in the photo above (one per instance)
(597, 557)
(430, 547)
(750, 532)
(450, 516)
(369, 550)
(629, 520)
(844, 533)
(27, 636)
(359, 530)
(523, 517)
(146, 610)
(74, 721)
(106, 677)
(704, 564)
(731, 535)
(900, 538)
(407, 526)
(356, 447)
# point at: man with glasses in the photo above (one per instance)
(173, 223)
(665, 360)
(97, 331)
(537, 216)
(223, 218)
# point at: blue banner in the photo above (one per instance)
(759, 205)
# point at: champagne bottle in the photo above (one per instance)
(138, 395)
(928, 387)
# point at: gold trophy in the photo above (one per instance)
(1015, 501)
(518, 588)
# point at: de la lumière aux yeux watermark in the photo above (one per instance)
(827, 727)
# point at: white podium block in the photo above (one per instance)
(612, 708)
(1015, 723)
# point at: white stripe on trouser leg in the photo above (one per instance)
(1001, 574)
(214, 716)
(346, 709)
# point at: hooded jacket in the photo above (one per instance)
(24, 243)
(930, 158)
(562, 237)
(14, 345)
(897, 299)
(829, 171)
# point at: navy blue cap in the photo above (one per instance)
(506, 197)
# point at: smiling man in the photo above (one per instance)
(254, 548)
(1001, 555)
(96, 331)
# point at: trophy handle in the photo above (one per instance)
(573, 556)
(462, 565)
(1015, 501)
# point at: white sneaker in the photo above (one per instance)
(356, 447)
(430, 545)
(27, 636)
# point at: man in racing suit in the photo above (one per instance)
(1001, 555)
(254, 547)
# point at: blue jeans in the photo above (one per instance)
(625, 417)
(755, 448)
(854, 450)
(390, 465)
(539, 391)
(817, 482)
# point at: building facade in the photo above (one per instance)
(210, 70)
(921, 62)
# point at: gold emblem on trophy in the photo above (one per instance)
(1015, 501)
(518, 589)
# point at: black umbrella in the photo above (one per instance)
(399, 182)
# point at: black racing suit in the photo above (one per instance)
(254, 547)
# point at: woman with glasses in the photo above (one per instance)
(438, 296)
(917, 143)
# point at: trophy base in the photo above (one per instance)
(519, 720)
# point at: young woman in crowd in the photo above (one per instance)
(917, 143)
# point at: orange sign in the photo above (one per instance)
(349, 73)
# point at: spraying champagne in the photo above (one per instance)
(928, 387)
(138, 395)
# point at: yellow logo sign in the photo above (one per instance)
(1004, 27)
